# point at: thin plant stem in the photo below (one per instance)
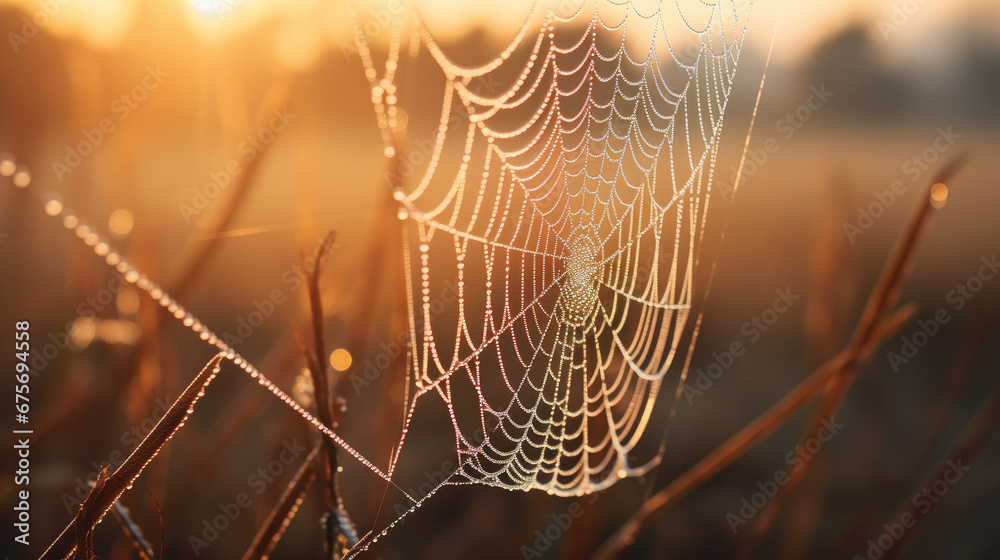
(872, 323)
(336, 521)
(886, 295)
(109, 488)
(279, 518)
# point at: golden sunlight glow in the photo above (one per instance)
(302, 29)
(298, 44)
(101, 23)
(210, 6)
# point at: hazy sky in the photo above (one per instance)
(804, 22)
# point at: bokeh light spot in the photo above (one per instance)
(340, 359)
(120, 223)
(128, 301)
(939, 195)
(53, 205)
(7, 165)
(83, 331)
(22, 177)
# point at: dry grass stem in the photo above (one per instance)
(76, 536)
(288, 504)
(838, 370)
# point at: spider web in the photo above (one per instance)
(567, 205)
(569, 214)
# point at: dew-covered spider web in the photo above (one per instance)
(565, 195)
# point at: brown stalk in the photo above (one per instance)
(76, 537)
(832, 398)
(861, 343)
(288, 504)
(872, 323)
(336, 522)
